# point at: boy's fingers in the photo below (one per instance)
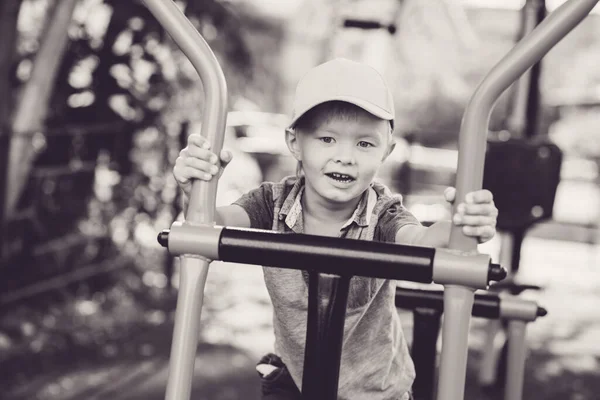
(226, 157)
(479, 196)
(487, 209)
(194, 173)
(201, 165)
(483, 233)
(197, 152)
(198, 140)
(450, 194)
(474, 220)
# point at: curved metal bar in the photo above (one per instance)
(474, 127)
(458, 300)
(202, 200)
(201, 208)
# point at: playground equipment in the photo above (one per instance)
(522, 169)
(427, 307)
(198, 241)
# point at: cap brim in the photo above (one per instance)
(365, 105)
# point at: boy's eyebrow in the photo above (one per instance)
(374, 134)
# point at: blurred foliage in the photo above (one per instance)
(124, 96)
(121, 63)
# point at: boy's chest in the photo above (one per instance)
(315, 227)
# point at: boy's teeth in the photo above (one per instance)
(340, 177)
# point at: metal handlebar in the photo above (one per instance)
(331, 255)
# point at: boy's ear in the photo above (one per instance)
(291, 139)
(391, 148)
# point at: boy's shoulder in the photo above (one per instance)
(387, 201)
(384, 193)
(282, 188)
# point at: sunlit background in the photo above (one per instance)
(96, 102)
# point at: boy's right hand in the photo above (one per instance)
(197, 161)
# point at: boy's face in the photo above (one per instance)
(341, 157)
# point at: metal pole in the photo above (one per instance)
(523, 116)
(324, 336)
(201, 210)
(518, 312)
(515, 366)
(312, 377)
(427, 306)
(492, 347)
(426, 329)
(471, 155)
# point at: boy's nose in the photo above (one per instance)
(344, 157)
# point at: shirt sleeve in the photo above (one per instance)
(391, 220)
(258, 204)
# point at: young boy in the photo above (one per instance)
(340, 134)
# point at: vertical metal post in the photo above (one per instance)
(493, 342)
(4, 151)
(312, 376)
(335, 318)
(426, 329)
(522, 120)
(537, 13)
(169, 267)
(517, 352)
(324, 336)
(458, 303)
(458, 300)
(201, 209)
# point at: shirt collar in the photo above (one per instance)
(291, 209)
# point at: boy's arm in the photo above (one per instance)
(476, 217)
(436, 235)
(232, 215)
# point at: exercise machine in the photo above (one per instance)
(427, 307)
(198, 241)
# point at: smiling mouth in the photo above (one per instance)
(340, 177)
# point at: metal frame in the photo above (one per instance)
(458, 299)
(427, 306)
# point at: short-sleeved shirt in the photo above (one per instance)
(375, 362)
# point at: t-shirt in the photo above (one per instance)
(375, 362)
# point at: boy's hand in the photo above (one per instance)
(477, 215)
(197, 161)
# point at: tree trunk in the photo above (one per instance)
(9, 12)
(32, 105)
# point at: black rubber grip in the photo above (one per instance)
(329, 255)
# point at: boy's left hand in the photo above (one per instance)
(477, 215)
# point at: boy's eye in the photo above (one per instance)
(326, 139)
(364, 144)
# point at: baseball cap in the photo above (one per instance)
(344, 80)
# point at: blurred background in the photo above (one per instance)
(97, 101)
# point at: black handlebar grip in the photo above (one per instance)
(163, 238)
(497, 272)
